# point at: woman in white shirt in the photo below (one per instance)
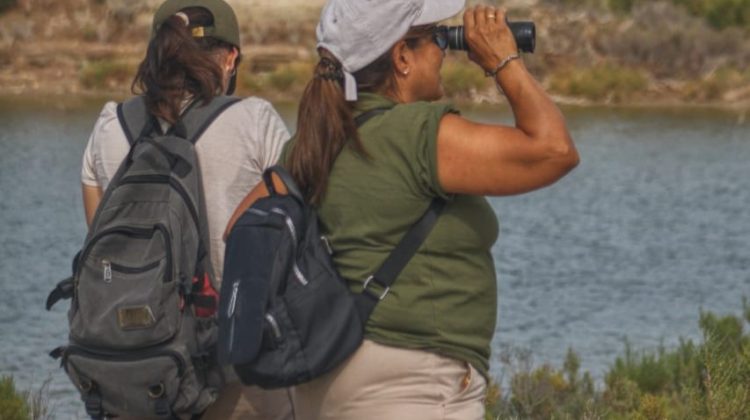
(193, 55)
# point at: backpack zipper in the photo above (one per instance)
(107, 271)
(133, 270)
(142, 233)
(230, 312)
(298, 273)
(288, 220)
(124, 357)
(290, 227)
(274, 326)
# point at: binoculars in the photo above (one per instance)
(523, 32)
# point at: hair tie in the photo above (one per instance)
(184, 17)
(328, 69)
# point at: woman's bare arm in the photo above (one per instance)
(486, 159)
(91, 198)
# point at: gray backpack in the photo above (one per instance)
(142, 319)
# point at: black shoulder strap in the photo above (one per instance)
(365, 116)
(286, 178)
(134, 118)
(386, 275)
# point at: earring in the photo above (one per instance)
(405, 72)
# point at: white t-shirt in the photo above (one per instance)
(233, 153)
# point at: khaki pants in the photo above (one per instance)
(239, 402)
(380, 382)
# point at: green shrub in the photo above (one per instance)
(106, 73)
(290, 76)
(7, 5)
(283, 80)
(605, 82)
(720, 13)
(705, 381)
(718, 84)
(13, 404)
(622, 6)
(461, 78)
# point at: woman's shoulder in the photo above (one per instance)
(254, 105)
(109, 111)
(414, 120)
(424, 108)
(107, 122)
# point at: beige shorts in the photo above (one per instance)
(239, 402)
(382, 382)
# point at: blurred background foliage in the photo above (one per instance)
(588, 51)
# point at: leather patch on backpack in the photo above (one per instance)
(135, 317)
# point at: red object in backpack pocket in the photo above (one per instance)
(205, 297)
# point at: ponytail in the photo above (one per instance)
(178, 66)
(324, 126)
(325, 123)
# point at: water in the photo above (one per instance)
(649, 229)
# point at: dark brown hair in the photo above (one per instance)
(177, 65)
(325, 123)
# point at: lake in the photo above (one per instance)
(652, 227)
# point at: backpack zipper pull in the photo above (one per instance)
(107, 271)
(233, 299)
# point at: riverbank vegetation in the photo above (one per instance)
(709, 379)
(705, 380)
(16, 404)
(588, 51)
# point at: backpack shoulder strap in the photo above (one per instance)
(362, 118)
(135, 120)
(386, 275)
(198, 117)
(133, 117)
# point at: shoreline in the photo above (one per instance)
(65, 101)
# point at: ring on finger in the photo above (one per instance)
(490, 15)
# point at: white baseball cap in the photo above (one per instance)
(357, 32)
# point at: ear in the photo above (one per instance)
(403, 59)
(230, 59)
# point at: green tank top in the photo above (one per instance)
(445, 299)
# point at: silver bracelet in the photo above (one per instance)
(502, 65)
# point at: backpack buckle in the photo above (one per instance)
(372, 294)
(92, 400)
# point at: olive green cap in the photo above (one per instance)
(225, 25)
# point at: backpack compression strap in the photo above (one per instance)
(134, 117)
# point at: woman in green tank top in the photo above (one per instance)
(427, 347)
